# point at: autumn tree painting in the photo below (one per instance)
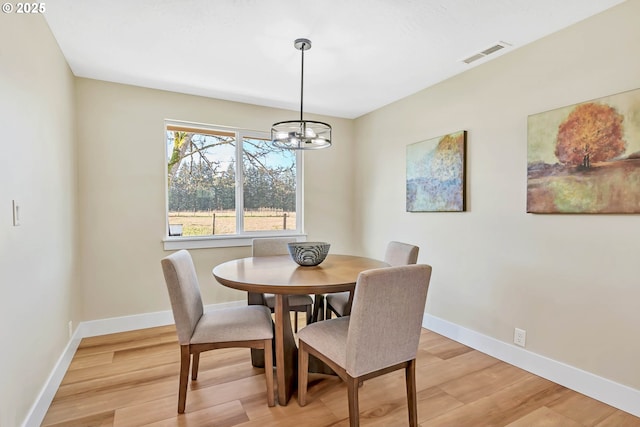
(585, 158)
(591, 133)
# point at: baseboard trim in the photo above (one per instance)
(114, 325)
(617, 395)
(94, 328)
(39, 408)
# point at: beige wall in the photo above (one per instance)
(38, 292)
(570, 281)
(122, 199)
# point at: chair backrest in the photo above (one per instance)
(184, 293)
(401, 254)
(386, 317)
(272, 246)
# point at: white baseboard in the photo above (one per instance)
(114, 325)
(94, 328)
(617, 395)
(41, 405)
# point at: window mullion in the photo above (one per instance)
(239, 183)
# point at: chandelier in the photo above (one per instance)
(301, 134)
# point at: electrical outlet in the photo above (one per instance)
(16, 213)
(519, 337)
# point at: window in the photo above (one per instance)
(225, 183)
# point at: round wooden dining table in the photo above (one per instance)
(281, 276)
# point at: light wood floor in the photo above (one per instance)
(131, 379)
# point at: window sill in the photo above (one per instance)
(176, 243)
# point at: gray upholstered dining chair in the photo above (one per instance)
(297, 303)
(200, 331)
(370, 343)
(396, 254)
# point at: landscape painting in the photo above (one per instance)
(585, 158)
(436, 174)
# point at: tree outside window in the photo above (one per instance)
(212, 193)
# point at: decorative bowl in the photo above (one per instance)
(308, 253)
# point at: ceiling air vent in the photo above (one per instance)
(488, 51)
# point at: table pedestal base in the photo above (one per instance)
(286, 360)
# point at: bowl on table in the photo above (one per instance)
(308, 253)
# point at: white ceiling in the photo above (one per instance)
(365, 54)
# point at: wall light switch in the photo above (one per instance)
(16, 213)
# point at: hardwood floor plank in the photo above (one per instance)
(394, 412)
(434, 402)
(198, 399)
(91, 360)
(89, 404)
(446, 349)
(131, 380)
(312, 415)
(119, 368)
(153, 411)
(225, 374)
(224, 415)
(132, 354)
(503, 407)
(126, 340)
(257, 410)
(443, 371)
(486, 381)
(586, 411)
(378, 397)
(384, 399)
(620, 419)
(104, 419)
(544, 417)
(424, 357)
(117, 382)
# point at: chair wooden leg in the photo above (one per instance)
(268, 372)
(352, 395)
(303, 374)
(412, 399)
(295, 321)
(327, 313)
(185, 359)
(309, 314)
(195, 365)
(318, 308)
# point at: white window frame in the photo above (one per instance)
(241, 238)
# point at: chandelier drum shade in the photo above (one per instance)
(301, 134)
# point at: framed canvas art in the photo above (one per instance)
(436, 174)
(585, 158)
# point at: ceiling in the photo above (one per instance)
(365, 53)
